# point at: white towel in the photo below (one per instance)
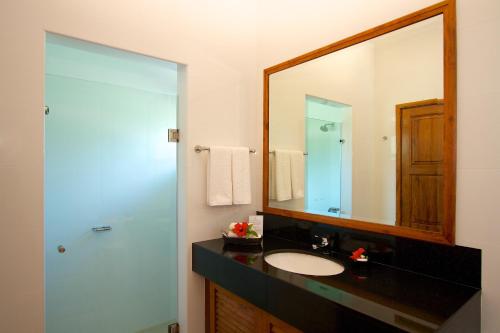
(242, 194)
(283, 177)
(272, 177)
(219, 182)
(297, 173)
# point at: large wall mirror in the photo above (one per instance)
(361, 133)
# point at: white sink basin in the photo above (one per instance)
(303, 263)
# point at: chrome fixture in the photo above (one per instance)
(173, 328)
(102, 228)
(61, 249)
(199, 149)
(173, 135)
(324, 128)
(319, 242)
(273, 152)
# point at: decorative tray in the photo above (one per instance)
(241, 241)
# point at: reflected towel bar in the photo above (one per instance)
(272, 152)
(199, 149)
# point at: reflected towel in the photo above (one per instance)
(219, 182)
(282, 175)
(242, 194)
(272, 177)
(297, 173)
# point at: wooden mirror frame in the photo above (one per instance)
(447, 236)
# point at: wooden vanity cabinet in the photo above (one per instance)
(228, 313)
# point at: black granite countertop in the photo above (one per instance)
(384, 297)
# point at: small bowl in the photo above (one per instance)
(361, 267)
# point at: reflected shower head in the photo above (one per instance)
(324, 128)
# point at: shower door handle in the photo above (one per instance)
(102, 228)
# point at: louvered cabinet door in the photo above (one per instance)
(274, 325)
(230, 314)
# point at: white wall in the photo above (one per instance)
(217, 41)
(408, 68)
(308, 25)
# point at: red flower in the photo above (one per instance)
(240, 229)
(357, 254)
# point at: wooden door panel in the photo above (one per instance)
(420, 154)
(427, 198)
(427, 139)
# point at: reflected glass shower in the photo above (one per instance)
(110, 190)
(324, 166)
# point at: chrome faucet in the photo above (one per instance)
(320, 242)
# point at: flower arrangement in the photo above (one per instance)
(242, 230)
(242, 234)
(359, 255)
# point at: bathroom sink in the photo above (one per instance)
(303, 263)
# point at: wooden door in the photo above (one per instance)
(419, 171)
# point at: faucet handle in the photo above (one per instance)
(319, 242)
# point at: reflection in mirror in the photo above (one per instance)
(358, 133)
(329, 157)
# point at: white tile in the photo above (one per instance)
(491, 288)
(478, 207)
(478, 134)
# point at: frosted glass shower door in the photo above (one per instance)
(109, 163)
(323, 168)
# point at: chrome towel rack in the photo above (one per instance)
(272, 152)
(199, 149)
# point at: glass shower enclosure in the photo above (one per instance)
(324, 166)
(110, 190)
(328, 134)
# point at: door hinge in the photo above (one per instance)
(173, 135)
(174, 328)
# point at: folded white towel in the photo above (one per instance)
(219, 182)
(297, 173)
(272, 177)
(282, 176)
(242, 194)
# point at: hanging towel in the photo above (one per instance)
(219, 182)
(297, 173)
(283, 178)
(272, 177)
(242, 194)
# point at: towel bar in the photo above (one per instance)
(199, 149)
(272, 152)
